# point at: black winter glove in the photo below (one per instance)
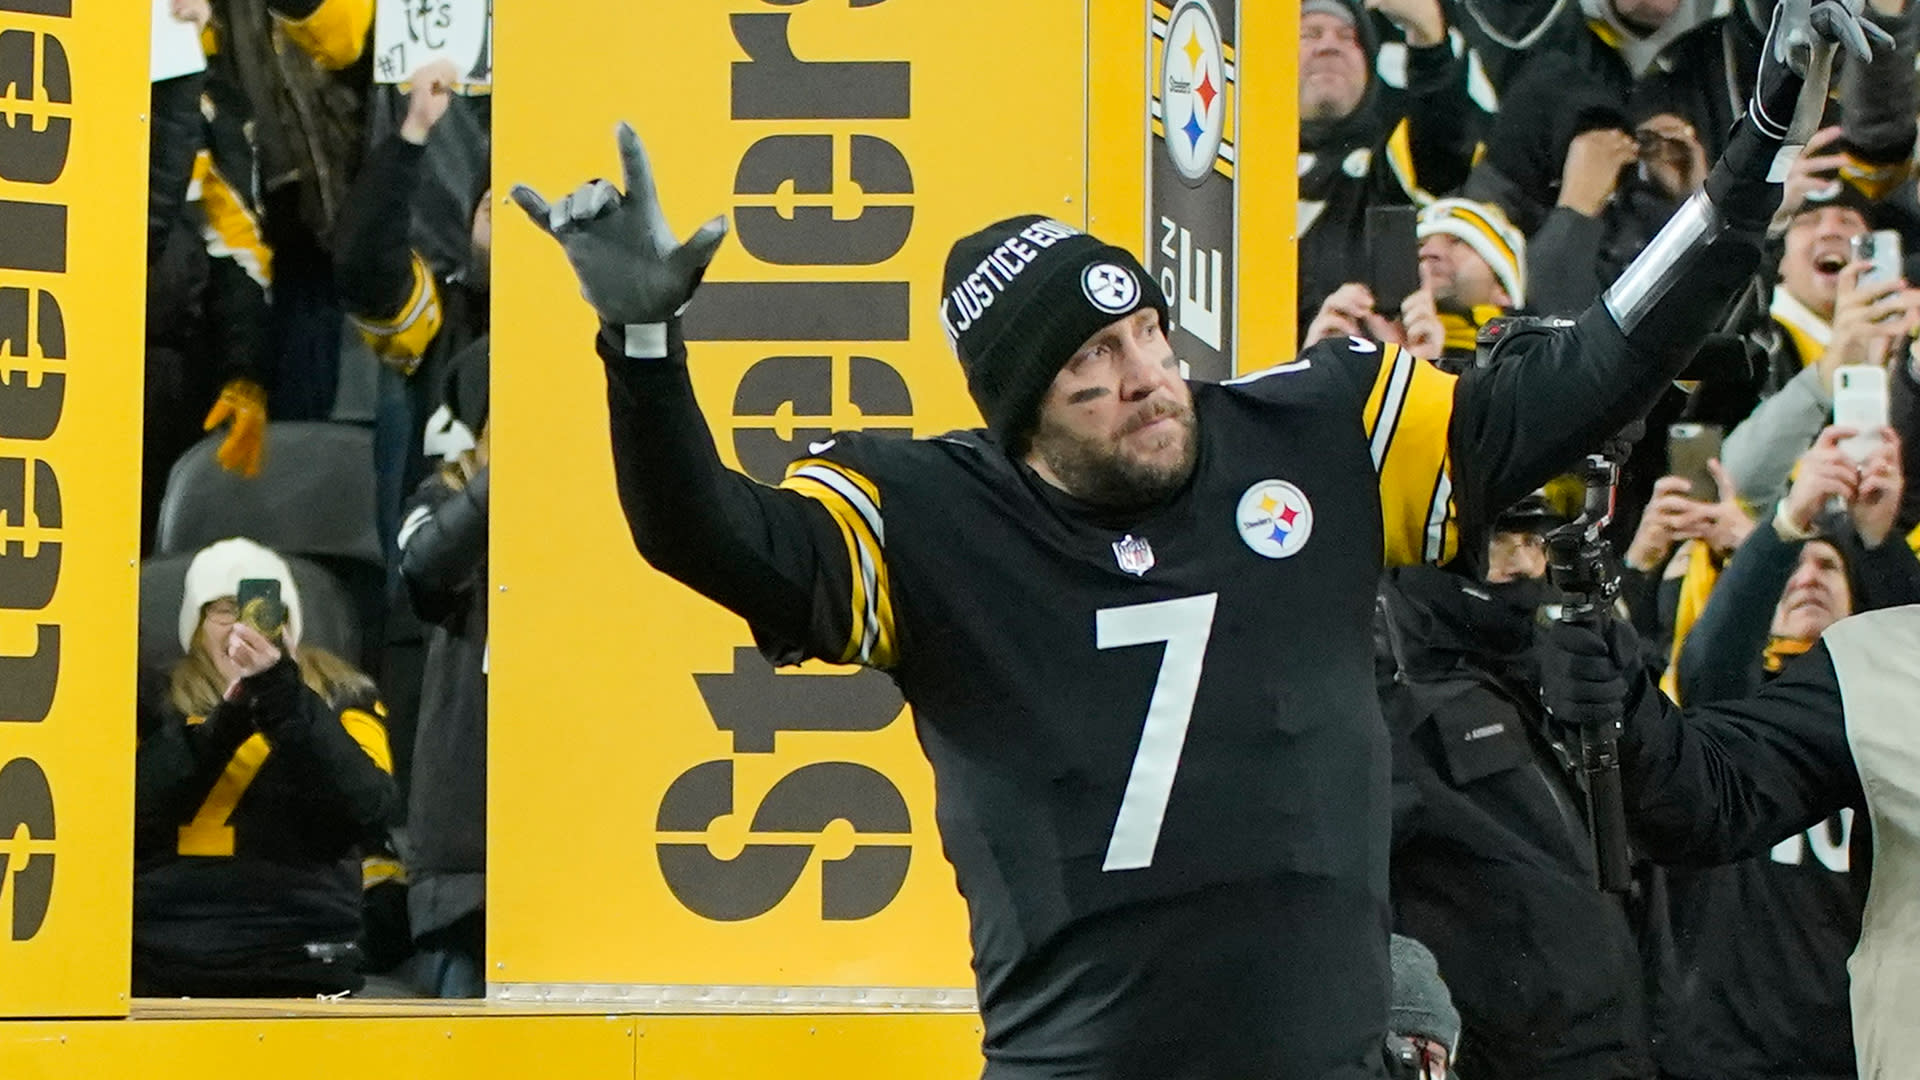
(1592, 694)
(273, 696)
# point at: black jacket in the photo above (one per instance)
(1702, 74)
(248, 830)
(1547, 977)
(1356, 162)
(443, 561)
(1757, 982)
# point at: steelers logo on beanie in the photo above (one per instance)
(1020, 296)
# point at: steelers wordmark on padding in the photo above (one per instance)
(1110, 287)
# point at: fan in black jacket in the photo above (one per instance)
(261, 776)
(1757, 987)
(443, 562)
(1547, 977)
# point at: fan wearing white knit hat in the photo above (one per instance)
(262, 775)
(214, 577)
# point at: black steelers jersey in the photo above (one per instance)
(1123, 710)
(248, 832)
(1161, 774)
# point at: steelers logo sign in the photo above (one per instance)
(1110, 287)
(1193, 89)
(1274, 518)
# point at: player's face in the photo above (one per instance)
(1116, 427)
(1817, 595)
(1818, 247)
(1455, 273)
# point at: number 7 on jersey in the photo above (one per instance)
(1185, 625)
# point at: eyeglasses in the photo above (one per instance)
(223, 611)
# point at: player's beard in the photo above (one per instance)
(1102, 472)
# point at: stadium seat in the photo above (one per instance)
(313, 497)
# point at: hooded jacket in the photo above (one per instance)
(1547, 978)
(1698, 64)
(1402, 144)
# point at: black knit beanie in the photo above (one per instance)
(1020, 296)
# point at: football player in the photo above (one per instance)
(1132, 613)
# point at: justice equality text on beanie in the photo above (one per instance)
(1020, 296)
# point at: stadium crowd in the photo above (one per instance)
(311, 810)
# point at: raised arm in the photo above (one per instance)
(390, 292)
(770, 555)
(1560, 393)
(1432, 147)
(1727, 781)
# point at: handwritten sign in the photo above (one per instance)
(409, 34)
(175, 44)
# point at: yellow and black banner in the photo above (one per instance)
(670, 818)
(73, 143)
(1221, 133)
(1191, 195)
(666, 810)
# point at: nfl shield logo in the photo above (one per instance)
(1134, 554)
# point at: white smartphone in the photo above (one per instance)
(1860, 402)
(1880, 249)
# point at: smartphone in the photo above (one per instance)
(1393, 256)
(1860, 402)
(1880, 249)
(261, 606)
(1689, 448)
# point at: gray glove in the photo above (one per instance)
(631, 268)
(1801, 24)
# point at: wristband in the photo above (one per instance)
(1785, 529)
(637, 341)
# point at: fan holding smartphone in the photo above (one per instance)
(1435, 276)
(1875, 312)
(253, 887)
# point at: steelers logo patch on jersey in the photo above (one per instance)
(1111, 288)
(1274, 518)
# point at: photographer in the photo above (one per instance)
(1734, 778)
(443, 563)
(1757, 983)
(1587, 181)
(1423, 1027)
(262, 771)
(1486, 802)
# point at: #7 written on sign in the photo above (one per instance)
(408, 34)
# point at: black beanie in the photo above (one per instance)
(1020, 296)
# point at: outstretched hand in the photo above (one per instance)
(631, 267)
(1838, 22)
